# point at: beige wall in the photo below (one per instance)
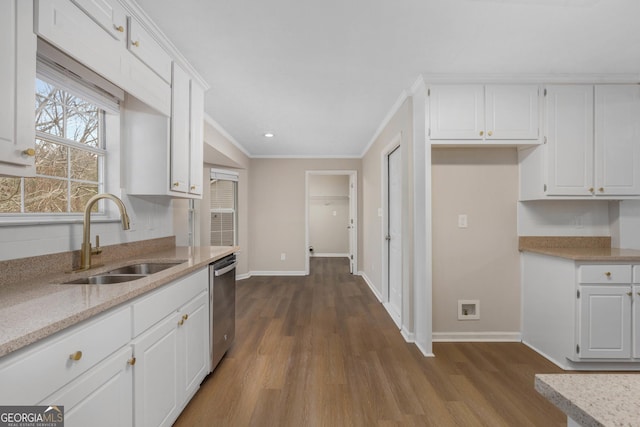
(329, 214)
(482, 261)
(277, 220)
(400, 124)
(222, 153)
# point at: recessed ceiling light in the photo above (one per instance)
(269, 135)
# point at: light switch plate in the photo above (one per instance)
(462, 221)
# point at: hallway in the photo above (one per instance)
(321, 350)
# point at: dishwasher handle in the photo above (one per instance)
(224, 270)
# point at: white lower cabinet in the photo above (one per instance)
(103, 397)
(581, 316)
(156, 374)
(138, 364)
(604, 322)
(171, 349)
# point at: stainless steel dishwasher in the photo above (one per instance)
(222, 307)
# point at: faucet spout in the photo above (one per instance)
(85, 249)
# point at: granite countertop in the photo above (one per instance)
(40, 306)
(594, 399)
(576, 248)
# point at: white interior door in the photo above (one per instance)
(353, 200)
(394, 232)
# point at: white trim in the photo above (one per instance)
(392, 111)
(422, 350)
(309, 156)
(209, 120)
(277, 273)
(243, 276)
(328, 255)
(370, 284)
(418, 85)
(630, 78)
(132, 7)
(353, 211)
(394, 316)
(477, 337)
(409, 337)
(396, 143)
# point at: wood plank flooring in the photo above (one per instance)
(322, 351)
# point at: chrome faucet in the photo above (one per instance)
(85, 250)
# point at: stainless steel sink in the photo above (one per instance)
(144, 268)
(106, 279)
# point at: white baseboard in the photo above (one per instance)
(329, 255)
(477, 337)
(243, 276)
(368, 282)
(277, 273)
(394, 316)
(409, 337)
(423, 351)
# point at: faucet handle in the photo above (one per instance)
(97, 250)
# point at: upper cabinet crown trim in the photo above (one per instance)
(629, 78)
(132, 7)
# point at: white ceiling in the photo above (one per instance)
(323, 74)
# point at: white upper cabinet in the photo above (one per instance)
(17, 88)
(109, 14)
(89, 31)
(490, 114)
(457, 112)
(617, 140)
(592, 144)
(186, 133)
(569, 132)
(142, 44)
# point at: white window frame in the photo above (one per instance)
(226, 175)
(56, 68)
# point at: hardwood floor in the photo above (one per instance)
(322, 351)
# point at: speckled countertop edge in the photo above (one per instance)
(33, 310)
(594, 400)
(578, 248)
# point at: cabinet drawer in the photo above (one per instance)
(149, 51)
(604, 274)
(159, 304)
(43, 368)
(636, 274)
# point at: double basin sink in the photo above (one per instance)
(127, 273)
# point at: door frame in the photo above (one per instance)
(395, 144)
(353, 213)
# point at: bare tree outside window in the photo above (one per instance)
(69, 156)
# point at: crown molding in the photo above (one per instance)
(137, 12)
(209, 120)
(565, 78)
(392, 111)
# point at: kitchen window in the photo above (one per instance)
(71, 122)
(223, 188)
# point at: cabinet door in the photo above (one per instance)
(106, 13)
(155, 377)
(194, 342)
(197, 139)
(456, 112)
(149, 51)
(17, 88)
(180, 122)
(511, 112)
(636, 321)
(569, 131)
(604, 322)
(103, 397)
(617, 140)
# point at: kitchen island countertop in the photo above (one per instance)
(39, 307)
(594, 399)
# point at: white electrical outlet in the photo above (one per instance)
(283, 256)
(462, 221)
